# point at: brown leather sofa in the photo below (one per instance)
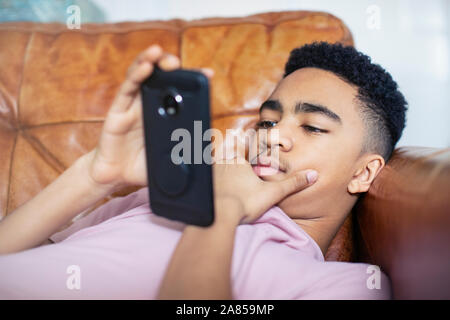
(56, 86)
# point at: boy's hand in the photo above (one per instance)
(241, 196)
(119, 158)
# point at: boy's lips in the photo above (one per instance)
(267, 167)
(265, 171)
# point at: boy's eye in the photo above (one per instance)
(266, 124)
(313, 129)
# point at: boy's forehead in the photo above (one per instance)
(318, 86)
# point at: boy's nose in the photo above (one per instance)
(278, 138)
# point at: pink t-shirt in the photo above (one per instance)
(121, 251)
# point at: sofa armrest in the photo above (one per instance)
(403, 223)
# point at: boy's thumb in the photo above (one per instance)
(296, 182)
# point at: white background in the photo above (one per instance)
(412, 43)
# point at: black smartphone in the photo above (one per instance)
(176, 120)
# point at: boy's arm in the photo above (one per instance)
(36, 220)
(200, 267)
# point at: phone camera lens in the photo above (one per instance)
(171, 104)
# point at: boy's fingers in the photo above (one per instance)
(130, 87)
(141, 68)
(141, 71)
(151, 54)
(296, 182)
(169, 62)
(208, 72)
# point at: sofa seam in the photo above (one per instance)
(45, 124)
(25, 57)
(17, 123)
(8, 193)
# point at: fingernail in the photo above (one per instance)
(209, 72)
(311, 176)
(155, 49)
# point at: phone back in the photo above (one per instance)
(176, 116)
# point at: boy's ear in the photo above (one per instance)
(368, 168)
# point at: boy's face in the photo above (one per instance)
(319, 127)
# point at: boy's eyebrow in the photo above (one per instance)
(273, 105)
(305, 107)
(312, 107)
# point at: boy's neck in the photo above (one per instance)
(322, 230)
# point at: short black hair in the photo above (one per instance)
(383, 106)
